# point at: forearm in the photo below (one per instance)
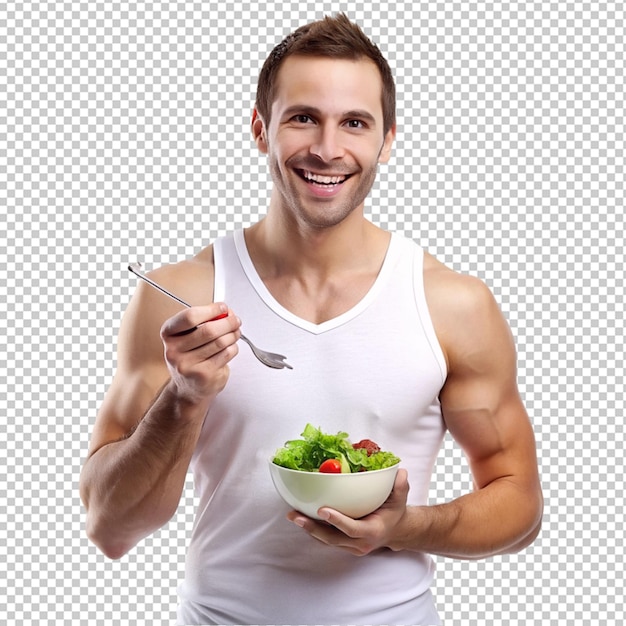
(133, 486)
(498, 519)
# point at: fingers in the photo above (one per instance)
(335, 532)
(198, 348)
(188, 320)
(359, 536)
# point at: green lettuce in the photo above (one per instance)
(315, 447)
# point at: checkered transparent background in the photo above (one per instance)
(124, 135)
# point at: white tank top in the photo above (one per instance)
(375, 372)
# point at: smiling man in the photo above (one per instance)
(386, 343)
(325, 138)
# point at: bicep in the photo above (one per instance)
(141, 370)
(480, 400)
(497, 439)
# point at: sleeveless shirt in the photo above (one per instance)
(374, 372)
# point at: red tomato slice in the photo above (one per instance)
(331, 466)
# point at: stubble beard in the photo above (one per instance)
(320, 214)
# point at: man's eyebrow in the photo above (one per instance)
(360, 114)
(303, 109)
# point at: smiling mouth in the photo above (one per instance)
(323, 180)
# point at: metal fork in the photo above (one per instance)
(271, 359)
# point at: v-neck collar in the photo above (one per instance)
(393, 252)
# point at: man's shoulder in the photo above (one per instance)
(462, 306)
(453, 286)
(190, 279)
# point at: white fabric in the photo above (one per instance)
(374, 372)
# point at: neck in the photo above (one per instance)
(279, 247)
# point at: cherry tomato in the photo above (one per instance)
(331, 466)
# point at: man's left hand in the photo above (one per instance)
(364, 535)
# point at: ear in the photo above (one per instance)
(385, 152)
(259, 132)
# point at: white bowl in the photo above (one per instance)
(355, 495)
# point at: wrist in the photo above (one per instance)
(410, 530)
(184, 406)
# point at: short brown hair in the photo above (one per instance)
(334, 37)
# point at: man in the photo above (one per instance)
(386, 343)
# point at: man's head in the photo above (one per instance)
(333, 37)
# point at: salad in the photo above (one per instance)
(333, 454)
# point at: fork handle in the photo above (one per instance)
(141, 275)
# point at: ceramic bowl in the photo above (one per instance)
(355, 495)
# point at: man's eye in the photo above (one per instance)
(355, 124)
(302, 119)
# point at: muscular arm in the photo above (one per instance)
(150, 420)
(131, 487)
(485, 415)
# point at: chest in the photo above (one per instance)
(318, 301)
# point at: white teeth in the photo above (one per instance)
(324, 180)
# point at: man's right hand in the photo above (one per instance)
(199, 344)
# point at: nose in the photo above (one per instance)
(327, 143)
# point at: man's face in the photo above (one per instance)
(325, 138)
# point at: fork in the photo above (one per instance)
(271, 359)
